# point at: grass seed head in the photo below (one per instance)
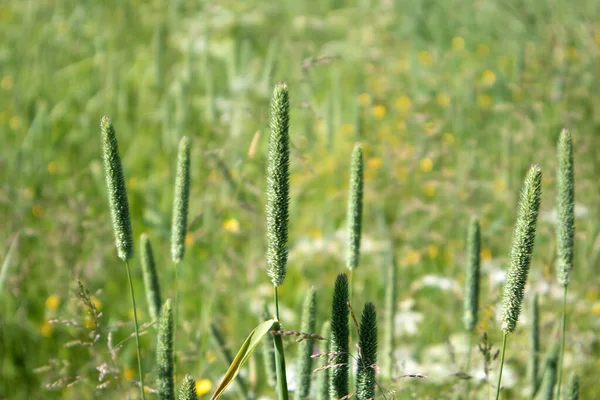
(522, 247)
(565, 228)
(278, 185)
(471, 300)
(187, 390)
(338, 342)
(151, 283)
(117, 192)
(355, 206)
(367, 343)
(181, 201)
(164, 353)
(572, 388)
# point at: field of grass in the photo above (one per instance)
(452, 101)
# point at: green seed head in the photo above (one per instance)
(471, 301)
(181, 200)
(323, 375)
(151, 284)
(117, 193)
(522, 247)
(309, 312)
(547, 389)
(278, 185)
(572, 388)
(355, 205)
(367, 360)
(338, 342)
(566, 209)
(164, 353)
(187, 391)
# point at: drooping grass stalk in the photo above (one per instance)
(355, 206)
(572, 388)
(278, 198)
(520, 257)
(308, 325)
(367, 360)
(338, 342)
(534, 342)
(179, 222)
(390, 313)
(121, 220)
(547, 390)
(471, 300)
(217, 337)
(151, 284)
(187, 390)
(565, 230)
(323, 375)
(164, 353)
(268, 353)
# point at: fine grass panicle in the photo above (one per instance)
(180, 201)
(164, 353)
(306, 346)
(355, 206)
(522, 247)
(338, 342)
(151, 284)
(278, 181)
(323, 374)
(187, 391)
(534, 342)
(547, 390)
(117, 193)
(566, 209)
(572, 388)
(471, 301)
(367, 360)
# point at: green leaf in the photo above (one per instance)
(242, 356)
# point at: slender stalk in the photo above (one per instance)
(501, 366)
(282, 390)
(137, 333)
(562, 342)
(175, 314)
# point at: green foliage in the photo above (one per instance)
(151, 283)
(278, 185)
(367, 360)
(181, 201)
(471, 301)
(305, 350)
(164, 353)
(522, 247)
(355, 206)
(338, 341)
(117, 193)
(187, 391)
(572, 388)
(565, 228)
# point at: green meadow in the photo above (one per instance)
(453, 101)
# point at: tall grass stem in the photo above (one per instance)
(562, 342)
(501, 365)
(137, 333)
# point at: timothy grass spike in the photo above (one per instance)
(367, 343)
(278, 180)
(117, 192)
(187, 391)
(181, 201)
(164, 353)
(522, 247)
(151, 282)
(471, 300)
(355, 206)
(338, 342)
(547, 390)
(565, 228)
(572, 388)
(308, 325)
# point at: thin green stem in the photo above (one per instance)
(562, 341)
(137, 333)
(282, 390)
(501, 366)
(468, 366)
(175, 315)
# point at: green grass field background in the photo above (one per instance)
(452, 101)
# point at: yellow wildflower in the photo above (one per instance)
(596, 309)
(203, 386)
(14, 122)
(425, 57)
(432, 251)
(37, 210)
(412, 258)
(458, 43)
(484, 100)
(379, 111)
(448, 138)
(429, 189)
(403, 103)
(364, 99)
(483, 49)
(96, 302)
(52, 302)
(52, 167)
(488, 78)
(315, 233)
(128, 373)
(7, 82)
(374, 163)
(231, 225)
(46, 329)
(426, 164)
(485, 254)
(443, 99)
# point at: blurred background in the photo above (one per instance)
(452, 100)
